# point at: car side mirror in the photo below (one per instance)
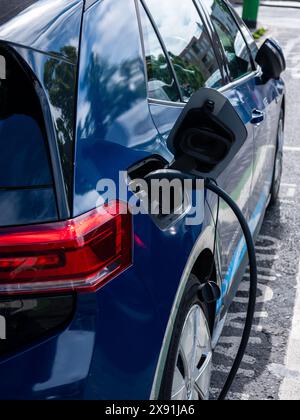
(270, 58)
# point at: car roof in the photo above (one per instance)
(41, 24)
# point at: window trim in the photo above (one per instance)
(235, 83)
(166, 103)
(223, 89)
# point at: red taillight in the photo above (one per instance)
(79, 254)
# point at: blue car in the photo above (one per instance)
(105, 304)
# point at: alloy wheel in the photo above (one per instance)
(191, 380)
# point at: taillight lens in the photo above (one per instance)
(79, 254)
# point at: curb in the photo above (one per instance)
(282, 4)
(274, 3)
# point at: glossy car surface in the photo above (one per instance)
(87, 61)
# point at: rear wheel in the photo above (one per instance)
(188, 368)
(278, 167)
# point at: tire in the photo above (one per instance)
(190, 346)
(278, 164)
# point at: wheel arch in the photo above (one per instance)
(204, 268)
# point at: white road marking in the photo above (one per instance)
(291, 149)
(266, 294)
(291, 192)
(231, 352)
(236, 340)
(268, 271)
(283, 372)
(248, 373)
(267, 238)
(272, 246)
(264, 257)
(288, 190)
(261, 277)
(241, 326)
(289, 185)
(290, 387)
(283, 201)
(295, 70)
(267, 251)
(231, 395)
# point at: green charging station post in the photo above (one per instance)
(250, 13)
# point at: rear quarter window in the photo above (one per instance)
(26, 183)
(24, 160)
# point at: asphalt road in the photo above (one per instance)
(271, 368)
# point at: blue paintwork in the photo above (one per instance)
(111, 347)
(49, 45)
(44, 25)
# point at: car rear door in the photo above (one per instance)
(256, 97)
(268, 94)
(188, 44)
(250, 99)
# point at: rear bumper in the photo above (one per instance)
(108, 351)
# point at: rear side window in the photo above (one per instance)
(187, 43)
(235, 47)
(161, 82)
(247, 35)
(24, 158)
(27, 192)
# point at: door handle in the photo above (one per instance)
(257, 117)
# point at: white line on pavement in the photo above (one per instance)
(263, 278)
(290, 387)
(291, 192)
(287, 201)
(291, 149)
(289, 185)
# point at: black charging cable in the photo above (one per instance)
(211, 293)
(213, 187)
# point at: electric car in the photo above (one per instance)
(107, 305)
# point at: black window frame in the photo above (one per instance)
(210, 33)
(141, 3)
(238, 21)
(231, 79)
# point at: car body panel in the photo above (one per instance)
(236, 179)
(114, 127)
(138, 303)
(267, 98)
(49, 46)
(116, 343)
(44, 25)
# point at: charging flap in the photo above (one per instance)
(209, 132)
